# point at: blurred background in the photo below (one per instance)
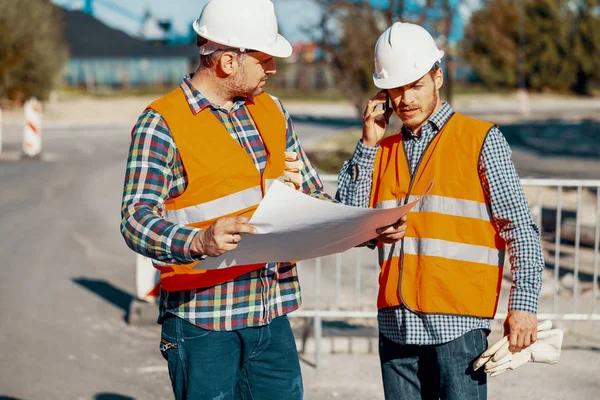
(74, 323)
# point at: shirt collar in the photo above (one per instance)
(436, 121)
(198, 102)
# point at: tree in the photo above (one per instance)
(546, 46)
(349, 29)
(440, 18)
(444, 25)
(32, 51)
(584, 44)
(347, 34)
(552, 43)
(490, 43)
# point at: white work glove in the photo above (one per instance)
(291, 172)
(498, 359)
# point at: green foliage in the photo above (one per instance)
(32, 52)
(490, 43)
(349, 30)
(557, 42)
(546, 46)
(585, 45)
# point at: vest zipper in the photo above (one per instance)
(412, 181)
(414, 173)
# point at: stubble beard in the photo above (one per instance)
(238, 86)
(424, 115)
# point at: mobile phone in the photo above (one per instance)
(387, 107)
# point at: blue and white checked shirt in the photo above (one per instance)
(510, 211)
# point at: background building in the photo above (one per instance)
(104, 57)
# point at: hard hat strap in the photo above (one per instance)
(210, 47)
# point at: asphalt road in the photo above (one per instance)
(68, 276)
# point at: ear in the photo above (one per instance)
(228, 63)
(438, 78)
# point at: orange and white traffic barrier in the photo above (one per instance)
(32, 133)
(147, 280)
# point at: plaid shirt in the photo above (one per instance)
(155, 173)
(511, 214)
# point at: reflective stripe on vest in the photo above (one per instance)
(443, 248)
(450, 261)
(445, 205)
(222, 179)
(214, 209)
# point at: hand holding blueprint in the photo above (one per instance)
(292, 226)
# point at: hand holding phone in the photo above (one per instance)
(375, 120)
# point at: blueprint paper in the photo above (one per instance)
(293, 226)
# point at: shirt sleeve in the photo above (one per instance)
(512, 216)
(149, 177)
(311, 183)
(356, 177)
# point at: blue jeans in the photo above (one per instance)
(251, 363)
(433, 372)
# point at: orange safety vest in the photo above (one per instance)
(222, 179)
(451, 259)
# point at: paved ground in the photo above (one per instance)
(68, 279)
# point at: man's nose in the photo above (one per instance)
(408, 97)
(270, 67)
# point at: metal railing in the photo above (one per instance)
(558, 222)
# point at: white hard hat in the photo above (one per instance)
(403, 54)
(244, 24)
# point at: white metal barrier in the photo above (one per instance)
(550, 221)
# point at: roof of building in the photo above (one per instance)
(88, 37)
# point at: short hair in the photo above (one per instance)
(210, 60)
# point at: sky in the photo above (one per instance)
(294, 15)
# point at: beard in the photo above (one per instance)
(255, 91)
(239, 86)
(423, 114)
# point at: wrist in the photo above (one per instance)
(197, 246)
(369, 143)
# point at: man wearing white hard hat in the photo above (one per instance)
(200, 161)
(439, 286)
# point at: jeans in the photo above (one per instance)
(434, 372)
(251, 363)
